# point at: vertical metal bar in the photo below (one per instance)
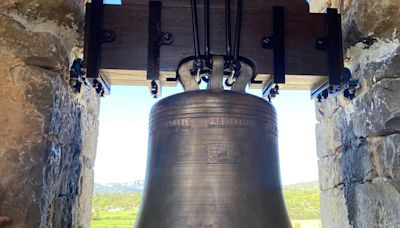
(153, 51)
(93, 29)
(195, 29)
(238, 30)
(207, 29)
(228, 28)
(335, 51)
(279, 45)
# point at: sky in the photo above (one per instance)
(122, 144)
(123, 134)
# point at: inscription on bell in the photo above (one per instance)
(230, 122)
(171, 124)
(178, 123)
(223, 154)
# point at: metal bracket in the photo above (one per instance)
(156, 38)
(95, 36)
(338, 76)
(77, 79)
(332, 44)
(276, 42)
(76, 75)
(101, 86)
(270, 91)
(348, 86)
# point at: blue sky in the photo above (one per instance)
(122, 145)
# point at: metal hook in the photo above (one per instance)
(188, 82)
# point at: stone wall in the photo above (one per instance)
(359, 141)
(48, 133)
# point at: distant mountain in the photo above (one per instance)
(132, 187)
(138, 186)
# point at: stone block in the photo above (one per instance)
(377, 113)
(333, 209)
(22, 149)
(377, 205)
(361, 205)
(64, 13)
(372, 61)
(388, 67)
(330, 135)
(363, 18)
(38, 49)
(352, 165)
(385, 156)
(330, 173)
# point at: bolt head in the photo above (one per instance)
(167, 36)
(266, 42)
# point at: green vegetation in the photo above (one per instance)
(302, 201)
(120, 210)
(115, 210)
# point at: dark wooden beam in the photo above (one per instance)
(130, 24)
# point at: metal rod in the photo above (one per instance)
(238, 29)
(195, 29)
(207, 29)
(228, 28)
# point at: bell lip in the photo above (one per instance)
(185, 98)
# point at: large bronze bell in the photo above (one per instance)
(213, 163)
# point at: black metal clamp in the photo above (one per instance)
(95, 36)
(332, 44)
(77, 78)
(77, 75)
(339, 78)
(347, 85)
(276, 42)
(156, 38)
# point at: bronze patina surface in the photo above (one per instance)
(213, 163)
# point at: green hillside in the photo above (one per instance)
(120, 210)
(302, 201)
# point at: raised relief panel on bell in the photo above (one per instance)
(223, 154)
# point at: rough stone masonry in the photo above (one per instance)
(358, 142)
(48, 133)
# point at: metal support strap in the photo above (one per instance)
(95, 35)
(332, 44)
(156, 38)
(276, 42)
